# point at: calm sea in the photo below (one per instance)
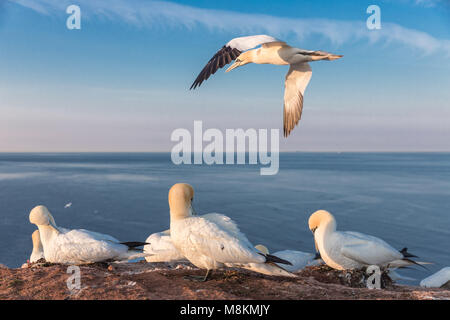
(403, 198)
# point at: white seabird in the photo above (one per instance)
(298, 259)
(272, 51)
(440, 279)
(161, 248)
(353, 250)
(210, 241)
(79, 246)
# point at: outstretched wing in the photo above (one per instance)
(297, 79)
(228, 53)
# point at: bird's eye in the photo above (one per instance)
(238, 60)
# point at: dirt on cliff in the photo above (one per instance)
(167, 281)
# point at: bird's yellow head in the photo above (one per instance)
(181, 196)
(40, 216)
(318, 218)
(243, 59)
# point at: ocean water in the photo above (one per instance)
(403, 198)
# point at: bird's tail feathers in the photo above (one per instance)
(134, 244)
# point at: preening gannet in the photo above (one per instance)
(272, 51)
(440, 279)
(209, 241)
(353, 250)
(79, 246)
(38, 250)
(161, 248)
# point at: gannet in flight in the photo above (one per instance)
(210, 241)
(440, 279)
(79, 246)
(343, 250)
(272, 51)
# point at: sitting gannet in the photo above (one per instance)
(272, 51)
(38, 251)
(298, 259)
(161, 248)
(440, 279)
(353, 250)
(210, 241)
(79, 246)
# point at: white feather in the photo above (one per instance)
(212, 240)
(161, 248)
(437, 280)
(246, 43)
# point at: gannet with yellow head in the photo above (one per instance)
(272, 51)
(79, 246)
(343, 250)
(209, 241)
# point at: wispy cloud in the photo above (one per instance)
(157, 13)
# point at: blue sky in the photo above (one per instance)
(121, 82)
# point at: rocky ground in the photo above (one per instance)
(165, 281)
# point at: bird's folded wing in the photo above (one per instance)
(368, 250)
(225, 223)
(228, 53)
(297, 79)
(212, 240)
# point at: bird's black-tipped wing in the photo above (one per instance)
(230, 52)
(222, 57)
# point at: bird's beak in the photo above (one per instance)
(193, 211)
(53, 225)
(234, 65)
(315, 242)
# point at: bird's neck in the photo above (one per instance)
(325, 229)
(47, 233)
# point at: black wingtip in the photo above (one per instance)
(270, 258)
(406, 254)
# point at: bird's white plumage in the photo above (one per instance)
(275, 52)
(81, 246)
(212, 240)
(298, 259)
(353, 250)
(161, 248)
(249, 42)
(437, 280)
